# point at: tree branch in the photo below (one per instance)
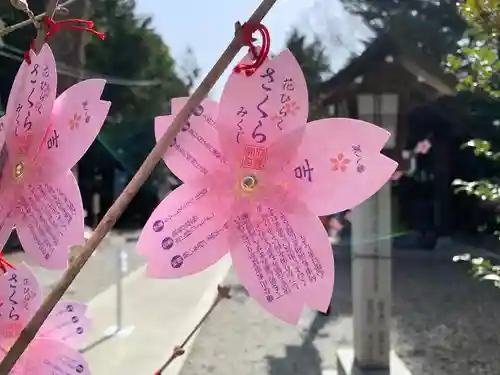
(223, 292)
(8, 29)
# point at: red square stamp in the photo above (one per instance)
(254, 157)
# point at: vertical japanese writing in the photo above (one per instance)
(288, 105)
(86, 115)
(268, 77)
(18, 111)
(241, 113)
(12, 298)
(32, 105)
(33, 80)
(356, 150)
(44, 89)
(304, 171)
(28, 293)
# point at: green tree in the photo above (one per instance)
(434, 27)
(477, 67)
(314, 62)
(132, 49)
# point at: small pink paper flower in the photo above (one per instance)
(41, 139)
(256, 177)
(56, 344)
(423, 147)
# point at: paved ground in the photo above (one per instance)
(156, 315)
(443, 323)
(100, 272)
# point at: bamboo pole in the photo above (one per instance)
(116, 210)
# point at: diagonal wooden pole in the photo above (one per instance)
(116, 210)
(42, 29)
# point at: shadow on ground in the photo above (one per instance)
(444, 323)
(305, 358)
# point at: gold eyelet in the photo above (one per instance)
(19, 170)
(248, 183)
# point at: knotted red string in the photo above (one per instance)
(259, 56)
(4, 264)
(54, 26)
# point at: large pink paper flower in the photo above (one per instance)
(256, 178)
(54, 349)
(41, 139)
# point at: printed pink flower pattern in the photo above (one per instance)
(55, 347)
(340, 163)
(256, 177)
(41, 139)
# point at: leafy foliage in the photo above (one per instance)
(476, 65)
(481, 268)
(443, 25)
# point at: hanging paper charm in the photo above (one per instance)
(256, 177)
(41, 139)
(55, 348)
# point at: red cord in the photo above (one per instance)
(259, 58)
(4, 264)
(55, 26)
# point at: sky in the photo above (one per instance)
(208, 27)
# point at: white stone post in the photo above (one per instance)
(371, 290)
(371, 280)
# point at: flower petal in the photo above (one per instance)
(325, 191)
(66, 323)
(49, 357)
(20, 297)
(50, 219)
(6, 226)
(6, 189)
(195, 150)
(30, 104)
(251, 115)
(186, 233)
(7, 214)
(77, 118)
(284, 261)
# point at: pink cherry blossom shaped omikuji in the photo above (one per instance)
(263, 209)
(40, 143)
(55, 347)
